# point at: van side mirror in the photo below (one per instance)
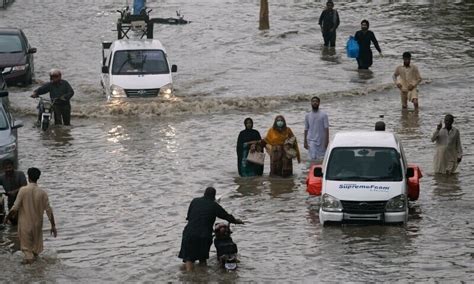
(32, 50)
(318, 172)
(174, 68)
(105, 69)
(410, 172)
(3, 93)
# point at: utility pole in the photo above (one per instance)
(264, 17)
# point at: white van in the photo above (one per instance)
(364, 177)
(136, 68)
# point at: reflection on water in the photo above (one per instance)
(447, 186)
(61, 135)
(250, 186)
(365, 74)
(329, 54)
(280, 186)
(409, 121)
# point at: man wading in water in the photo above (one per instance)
(197, 235)
(329, 21)
(407, 77)
(30, 205)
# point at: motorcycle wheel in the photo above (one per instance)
(45, 123)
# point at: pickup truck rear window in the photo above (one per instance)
(364, 164)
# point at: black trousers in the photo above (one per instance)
(62, 113)
(329, 38)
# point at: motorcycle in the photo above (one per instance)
(225, 246)
(45, 110)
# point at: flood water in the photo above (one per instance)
(121, 178)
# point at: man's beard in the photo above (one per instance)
(316, 108)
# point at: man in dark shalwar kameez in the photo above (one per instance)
(197, 235)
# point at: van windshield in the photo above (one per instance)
(10, 44)
(139, 62)
(364, 164)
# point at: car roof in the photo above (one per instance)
(365, 139)
(8, 30)
(136, 44)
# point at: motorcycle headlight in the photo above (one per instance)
(117, 92)
(166, 91)
(7, 148)
(331, 203)
(20, 67)
(397, 204)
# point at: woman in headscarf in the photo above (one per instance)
(282, 146)
(364, 37)
(248, 140)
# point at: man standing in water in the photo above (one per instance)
(407, 77)
(316, 131)
(365, 37)
(12, 180)
(30, 205)
(197, 235)
(60, 93)
(329, 21)
(448, 147)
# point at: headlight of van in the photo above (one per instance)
(7, 148)
(166, 91)
(117, 92)
(396, 204)
(330, 203)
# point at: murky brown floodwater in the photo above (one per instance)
(121, 178)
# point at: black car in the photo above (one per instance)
(16, 56)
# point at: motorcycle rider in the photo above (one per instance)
(197, 235)
(60, 92)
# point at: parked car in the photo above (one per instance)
(364, 177)
(8, 130)
(136, 68)
(16, 56)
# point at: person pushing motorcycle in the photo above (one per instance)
(60, 92)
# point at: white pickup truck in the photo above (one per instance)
(365, 176)
(136, 68)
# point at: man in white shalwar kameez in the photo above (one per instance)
(30, 205)
(448, 147)
(407, 77)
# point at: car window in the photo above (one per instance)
(364, 164)
(10, 44)
(137, 62)
(3, 120)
